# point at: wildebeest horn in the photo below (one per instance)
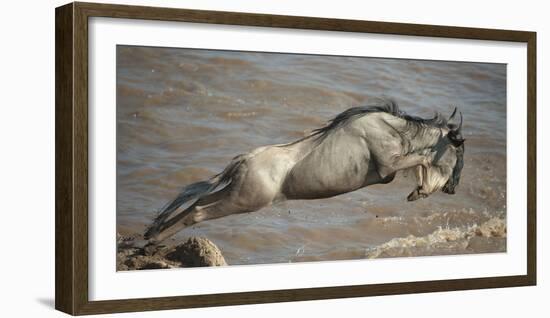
(460, 125)
(452, 115)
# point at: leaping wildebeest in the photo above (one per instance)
(359, 147)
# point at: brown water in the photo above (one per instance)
(184, 113)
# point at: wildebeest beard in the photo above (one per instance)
(453, 181)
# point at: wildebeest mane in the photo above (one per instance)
(385, 105)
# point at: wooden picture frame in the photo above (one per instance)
(71, 90)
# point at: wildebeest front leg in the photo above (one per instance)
(421, 175)
(403, 162)
(420, 162)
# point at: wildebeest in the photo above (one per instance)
(359, 147)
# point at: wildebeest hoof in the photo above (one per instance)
(416, 194)
(151, 249)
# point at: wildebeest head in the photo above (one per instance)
(447, 163)
(457, 142)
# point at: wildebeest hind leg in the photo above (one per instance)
(212, 206)
(213, 211)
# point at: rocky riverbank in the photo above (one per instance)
(195, 252)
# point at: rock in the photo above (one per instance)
(197, 251)
(124, 241)
(149, 262)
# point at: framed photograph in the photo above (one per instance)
(211, 158)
